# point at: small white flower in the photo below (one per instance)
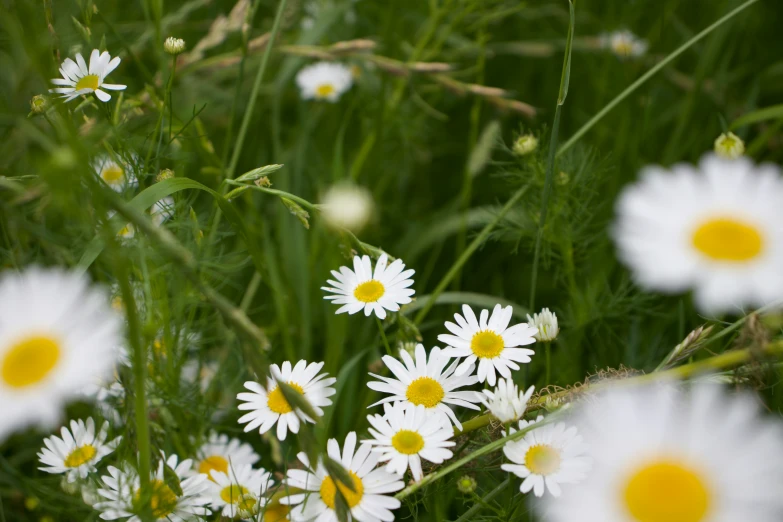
(368, 502)
(78, 451)
(122, 491)
(546, 323)
(239, 491)
(118, 176)
(491, 342)
(268, 405)
(174, 46)
(624, 44)
(729, 146)
(362, 289)
(162, 210)
(427, 383)
(58, 334)
(546, 457)
(347, 206)
(405, 434)
(324, 81)
(506, 402)
(220, 453)
(78, 79)
(109, 399)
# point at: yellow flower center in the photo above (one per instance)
(113, 174)
(623, 47)
(666, 492)
(215, 462)
(487, 344)
(29, 361)
(369, 291)
(87, 82)
(79, 456)
(163, 501)
(324, 90)
(276, 512)
(407, 442)
(247, 506)
(126, 231)
(276, 401)
(542, 459)
(233, 494)
(353, 498)
(425, 391)
(726, 239)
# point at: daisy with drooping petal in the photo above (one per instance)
(58, 334)
(714, 228)
(122, 492)
(491, 342)
(624, 44)
(368, 502)
(362, 289)
(78, 451)
(546, 324)
(220, 453)
(506, 402)
(324, 81)
(662, 453)
(405, 434)
(239, 491)
(118, 176)
(546, 457)
(268, 405)
(427, 383)
(78, 78)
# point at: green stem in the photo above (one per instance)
(475, 508)
(548, 363)
(383, 336)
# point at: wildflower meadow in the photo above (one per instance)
(356, 260)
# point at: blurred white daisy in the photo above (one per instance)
(546, 324)
(162, 210)
(491, 342)
(118, 176)
(715, 228)
(109, 399)
(546, 457)
(78, 451)
(239, 491)
(664, 454)
(347, 206)
(78, 78)
(506, 402)
(362, 289)
(220, 453)
(126, 232)
(268, 405)
(427, 383)
(729, 145)
(405, 434)
(324, 81)
(624, 44)
(57, 335)
(122, 491)
(368, 502)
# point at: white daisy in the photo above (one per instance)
(624, 44)
(368, 502)
(546, 324)
(324, 81)
(122, 492)
(78, 451)
(665, 454)
(126, 232)
(162, 210)
(268, 405)
(506, 402)
(57, 335)
(109, 399)
(347, 206)
(240, 491)
(546, 457)
(220, 453)
(405, 434)
(427, 383)
(78, 79)
(385, 289)
(491, 342)
(715, 228)
(118, 176)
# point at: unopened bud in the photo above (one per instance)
(174, 46)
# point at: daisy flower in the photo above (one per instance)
(489, 341)
(122, 491)
(220, 453)
(78, 451)
(624, 44)
(546, 324)
(714, 228)
(268, 405)
(663, 454)
(506, 402)
(239, 491)
(546, 457)
(347, 206)
(362, 289)
(118, 176)
(427, 383)
(405, 434)
(78, 79)
(58, 334)
(162, 210)
(324, 81)
(368, 502)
